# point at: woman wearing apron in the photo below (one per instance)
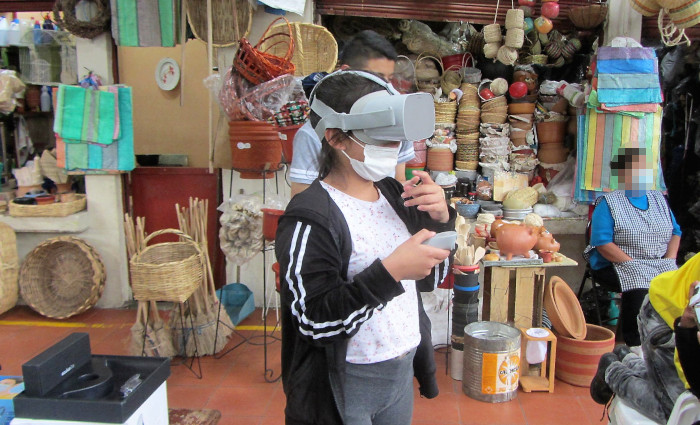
(634, 236)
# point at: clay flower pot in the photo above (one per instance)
(255, 148)
(440, 159)
(552, 153)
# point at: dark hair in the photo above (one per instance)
(363, 46)
(339, 91)
(626, 156)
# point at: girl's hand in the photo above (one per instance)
(426, 195)
(412, 259)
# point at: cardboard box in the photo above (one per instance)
(10, 386)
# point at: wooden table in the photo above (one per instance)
(513, 293)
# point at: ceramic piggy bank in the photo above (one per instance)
(515, 239)
(546, 242)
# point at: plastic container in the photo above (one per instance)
(45, 100)
(4, 30)
(13, 33)
(491, 361)
(577, 360)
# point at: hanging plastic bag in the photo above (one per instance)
(241, 228)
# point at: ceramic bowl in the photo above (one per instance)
(467, 210)
(563, 309)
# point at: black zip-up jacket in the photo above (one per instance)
(322, 309)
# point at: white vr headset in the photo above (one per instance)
(379, 117)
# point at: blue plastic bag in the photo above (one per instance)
(238, 301)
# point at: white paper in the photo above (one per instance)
(294, 6)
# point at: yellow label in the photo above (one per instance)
(500, 372)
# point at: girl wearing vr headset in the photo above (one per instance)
(352, 260)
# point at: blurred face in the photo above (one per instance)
(637, 176)
(383, 67)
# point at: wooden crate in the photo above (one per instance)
(513, 295)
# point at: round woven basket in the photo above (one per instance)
(62, 277)
(168, 271)
(645, 7)
(592, 15)
(495, 103)
(9, 290)
(686, 14)
(315, 49)
(224, 29)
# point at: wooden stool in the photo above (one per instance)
(513, 294)
(545, 380)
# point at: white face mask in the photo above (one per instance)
(380, 162)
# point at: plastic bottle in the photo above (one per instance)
(25, 31)
(45, 103)
(613, 310)
(4, 29)
(13, 33)
(37, 32)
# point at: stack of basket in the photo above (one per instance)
(522, 135)
(468, 118)
(494, 147)
(494, 111)
(445, 111)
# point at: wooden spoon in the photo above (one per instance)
(479, 254)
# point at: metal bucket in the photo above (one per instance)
(491, 361)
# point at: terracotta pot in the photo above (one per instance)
(440, 159)
(551, 131)
(546, 256)
(521, 125)
(254, 152)
(577, 360)
(515, 239)
(552, 153)
(270, 219)
(287, 136)
(421, 157)
(546, 242)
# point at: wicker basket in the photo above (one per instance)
(315, 49)
(686, 14)
(592, 15)
(168, 271)
(9, 290)
(645, 7)
(57, 209)
(258, 66)
(62, 277)
(224, 29)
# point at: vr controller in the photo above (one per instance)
(442, 240)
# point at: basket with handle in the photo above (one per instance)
(258, 66)
(315, 48)
(62, 277)
(167, 271)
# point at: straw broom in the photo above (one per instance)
(226, 326)
(157, 335)
(199, 312)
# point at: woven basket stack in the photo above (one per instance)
(445, 111)
(468, 119)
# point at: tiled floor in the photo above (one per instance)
(235, 384)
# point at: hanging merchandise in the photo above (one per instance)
(419, 38)
(64, 13)
(315, 48)
(258, 66)
(592, 15)
(231, 20)
(145, 23)
(94, 138)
